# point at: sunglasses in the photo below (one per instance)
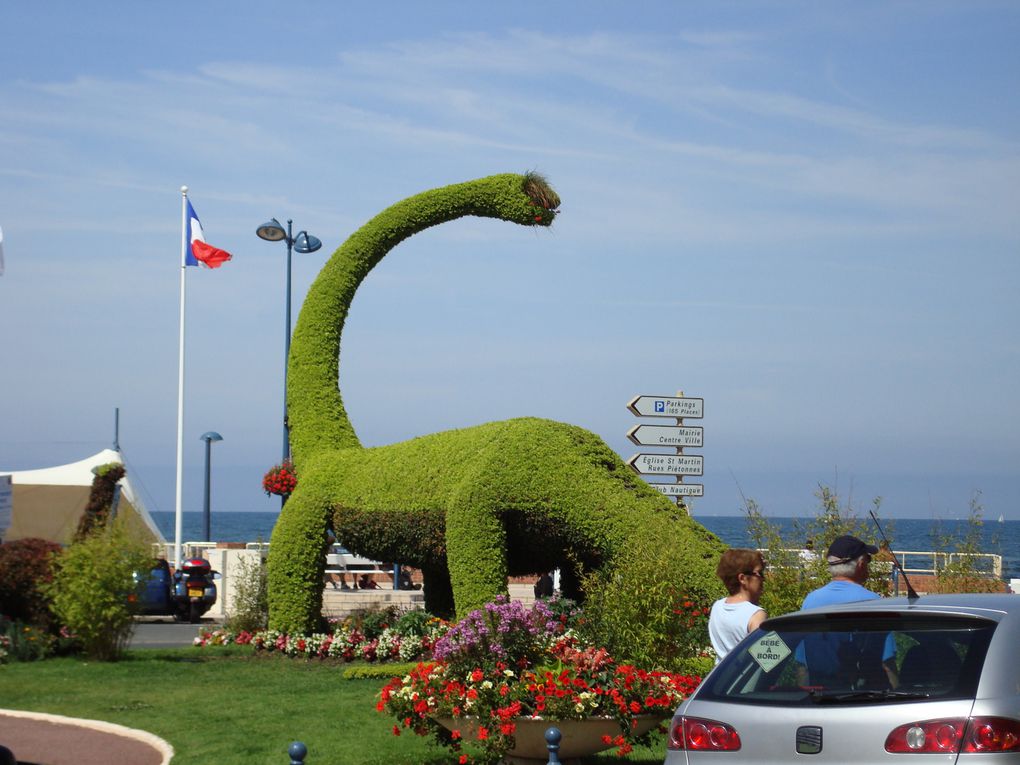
(759, 574)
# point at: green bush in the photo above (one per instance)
(653, 609)
(92, 582)
(249, 610)
(414, 623)
(25, 566)
(963, 570)
(371, 622)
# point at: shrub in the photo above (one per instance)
(250, 605)
(654, 610)
(92, 581)
(25, 565)
(372, 621)
(965, 570)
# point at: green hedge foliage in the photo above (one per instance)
(468, 507)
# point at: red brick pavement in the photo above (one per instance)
(42, 739)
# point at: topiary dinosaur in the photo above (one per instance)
(468, 507)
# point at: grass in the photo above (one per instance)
(225, 705)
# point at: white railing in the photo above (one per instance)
(923, 561)
(926, 562)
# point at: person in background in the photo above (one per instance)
(732, 618)
(848, 559)
(364, 583)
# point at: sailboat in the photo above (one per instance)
(1001, 519)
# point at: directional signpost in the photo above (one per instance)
(666, 435)
(668, 464)
(667, 406)
(677, 436)
(680, 489)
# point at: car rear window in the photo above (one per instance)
(859, 658)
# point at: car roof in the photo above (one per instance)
(997, 606)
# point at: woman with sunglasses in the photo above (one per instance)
(742, 571)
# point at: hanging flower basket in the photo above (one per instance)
(280, 479)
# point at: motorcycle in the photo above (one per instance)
(185, 594)
(194, 589)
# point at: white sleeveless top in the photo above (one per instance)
(727, 624)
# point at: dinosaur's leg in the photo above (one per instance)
(296, 565)
(475, 551)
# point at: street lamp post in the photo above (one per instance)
(208, 438)
(303, 242)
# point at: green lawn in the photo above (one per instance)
(226, 707)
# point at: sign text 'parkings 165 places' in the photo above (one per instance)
(667, 406)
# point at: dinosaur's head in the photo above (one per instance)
(543, 199)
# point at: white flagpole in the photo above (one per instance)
(180, 385)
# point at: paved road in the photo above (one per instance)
(153, 632)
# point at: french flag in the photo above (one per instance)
(198, 251)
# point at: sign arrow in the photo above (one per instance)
(667, 464)
(666, 435)
(667, 406)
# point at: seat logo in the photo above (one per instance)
(809, 739)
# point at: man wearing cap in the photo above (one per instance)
(826, 655)
(848, 559)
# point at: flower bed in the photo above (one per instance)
(506, 663)
(410, 638)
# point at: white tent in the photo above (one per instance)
(48, 503)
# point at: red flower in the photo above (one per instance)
(483, 733)
(280, 479)
(463, 759)
(455, 734)
(396, 731)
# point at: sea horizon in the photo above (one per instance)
(920, 534)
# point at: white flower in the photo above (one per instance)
(487, 685)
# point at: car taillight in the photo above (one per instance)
(950, 736)
(698, 734)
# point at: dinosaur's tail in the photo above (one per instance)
(317, 418)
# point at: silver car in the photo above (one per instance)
(936, 679)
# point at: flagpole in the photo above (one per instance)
(180, 386)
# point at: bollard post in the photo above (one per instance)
(297, 752)
(552, 743)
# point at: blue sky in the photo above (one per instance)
(805, 213)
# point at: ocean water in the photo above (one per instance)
(904, 533)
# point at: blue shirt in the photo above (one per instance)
(823, 648)
(837, 591)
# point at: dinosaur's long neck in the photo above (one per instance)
(316, 412)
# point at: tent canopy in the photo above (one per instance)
(48, 503)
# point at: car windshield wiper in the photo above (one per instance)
(819, 697)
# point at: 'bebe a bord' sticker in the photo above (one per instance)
(768, 651)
